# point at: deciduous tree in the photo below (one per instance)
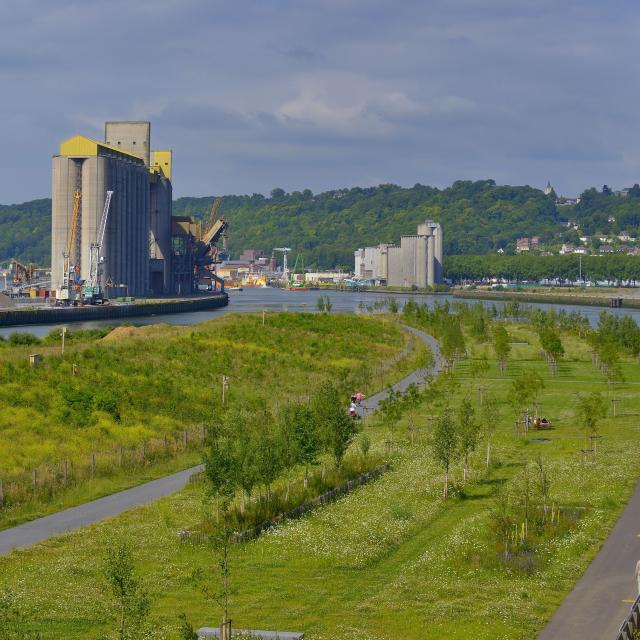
(445, 445)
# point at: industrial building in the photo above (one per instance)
(137, 252)
(417, 261)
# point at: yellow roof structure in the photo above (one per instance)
(83, 147)
(161, 162)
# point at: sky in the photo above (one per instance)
(326, 94)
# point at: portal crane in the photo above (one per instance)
(68, 268)
(285, 270)
(93, 292)
(207, 254)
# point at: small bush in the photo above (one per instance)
(23, 339)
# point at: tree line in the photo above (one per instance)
(610, 268)
(477, 218)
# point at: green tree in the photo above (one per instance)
(445, 445)
(525, 388)
(288, 446)
(490, 418)
(552, 347)
(411, 400)
(222, 472)
(501, 346)
(131, 600)
(306, 437)
(452, 343)
(269, 461)
(609, 355)
(391, 409)
(590, 409)
(221, 468)
(478, 368)
(245, 457)
(544, 485)
(468, 433)
(337, 429)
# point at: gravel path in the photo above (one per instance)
(74, 518)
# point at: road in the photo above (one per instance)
(68, 520)
(601, 599)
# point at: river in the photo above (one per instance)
(285, 300)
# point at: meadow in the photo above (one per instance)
(392, 559)
(124, 406)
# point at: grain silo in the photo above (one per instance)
(137, 241)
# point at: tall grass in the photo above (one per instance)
(117, 403)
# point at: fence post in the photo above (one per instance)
(120, 456)
(93, 464)
(34, 481)
(185, 438)
(66, 472)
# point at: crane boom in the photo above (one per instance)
(73, 229)
(71, 241)
(215, 228)
(214, 209)
(93, 290)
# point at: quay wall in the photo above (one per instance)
(56, 315)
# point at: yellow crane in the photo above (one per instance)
(64, 293)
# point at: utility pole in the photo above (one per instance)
(580, 262)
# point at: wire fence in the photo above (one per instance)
(50, 479)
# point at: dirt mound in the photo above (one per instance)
(136, 332)
(120, 332)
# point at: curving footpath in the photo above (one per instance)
(88, 513)
(601, 599)
(370, 404)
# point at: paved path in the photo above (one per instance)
(29, 533)
(370, 404)
(596, 607)
(38, 530)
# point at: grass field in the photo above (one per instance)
(121, 419)
(391, 559)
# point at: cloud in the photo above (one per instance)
(329, 93)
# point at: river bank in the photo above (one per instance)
(580, 299)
